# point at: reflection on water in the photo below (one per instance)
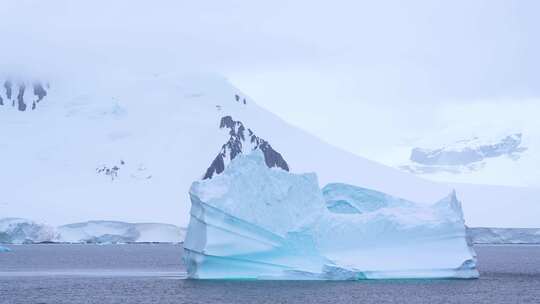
(154, 274)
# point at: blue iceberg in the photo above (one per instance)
(255, 222)
(4, 249)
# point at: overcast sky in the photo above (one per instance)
(364, 75)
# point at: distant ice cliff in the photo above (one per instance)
(22, 231)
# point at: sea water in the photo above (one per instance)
(153, 273)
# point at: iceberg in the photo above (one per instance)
(255, 222)
(4, 249)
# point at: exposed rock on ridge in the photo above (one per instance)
(242, 140)
(17, 95)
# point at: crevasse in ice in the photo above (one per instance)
(255, 222)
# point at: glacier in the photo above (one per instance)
(115, 232)
(255, 222)
(488, 235)
(25, 231)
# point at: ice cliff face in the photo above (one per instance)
(22, 95)
(21, 231)
(342, 198)
(242, 140)
(504, 235)
(112, 232)
(255, 222)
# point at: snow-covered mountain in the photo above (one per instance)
(126, 146)
(464, 155)
(493, 157)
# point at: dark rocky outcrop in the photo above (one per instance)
(110, 171)
(242, 139)
(20, 98)
(39, 91)
(237, 98)
(7, 87)
(19, 101)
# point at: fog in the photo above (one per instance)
(368, 76)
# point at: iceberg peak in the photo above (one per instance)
(452, 205)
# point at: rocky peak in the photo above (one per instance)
(242, 140)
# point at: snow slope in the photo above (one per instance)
(124, 146)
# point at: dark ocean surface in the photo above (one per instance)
(149, 273)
